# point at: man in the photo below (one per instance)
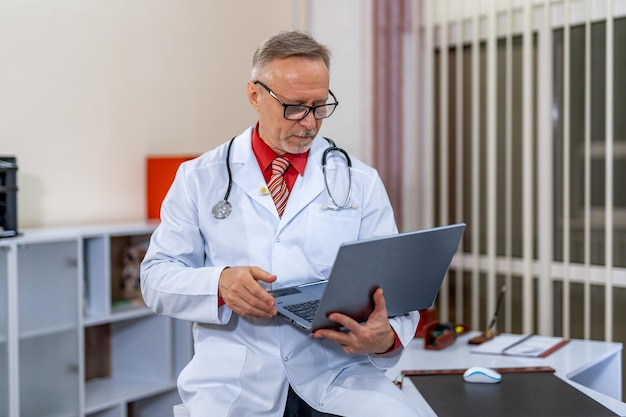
(213, 264)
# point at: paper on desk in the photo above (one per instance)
(521, 345)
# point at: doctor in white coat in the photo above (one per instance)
(215, 271)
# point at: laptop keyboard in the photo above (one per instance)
(306, 310)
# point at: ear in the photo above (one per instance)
(253, 95)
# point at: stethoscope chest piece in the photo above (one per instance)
(221, 209)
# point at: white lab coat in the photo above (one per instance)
(242, 367)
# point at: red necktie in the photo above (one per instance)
(277, 186)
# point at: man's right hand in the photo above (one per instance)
(241, 292)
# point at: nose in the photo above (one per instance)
(309, 121)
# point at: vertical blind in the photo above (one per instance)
(518, 120)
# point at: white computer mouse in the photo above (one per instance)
(482, 375)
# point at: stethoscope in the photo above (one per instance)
(222, 208)
(346, 204)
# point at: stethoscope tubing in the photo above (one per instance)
(230, 174)
(346, 203)
(222, 208)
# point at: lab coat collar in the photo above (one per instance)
(248, 176)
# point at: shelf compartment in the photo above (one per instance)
(114, 411)
(126, 255)
(111, 272)
(49, 373)
(118, 315)
(47, 286)
(106, 393)
(96, 284)
(128, 359)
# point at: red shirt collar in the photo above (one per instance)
(265, 155)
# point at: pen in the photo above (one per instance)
(523, 339)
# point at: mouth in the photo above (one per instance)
(308, 135)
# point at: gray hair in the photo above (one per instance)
(285, 45)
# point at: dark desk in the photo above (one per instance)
(593, 368)
(520, 394)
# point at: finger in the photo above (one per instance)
(345, 321)
(263, 300)
(262, 275)
(245, 280)
(251, 312)
(337, 336)
(257, 300)
(244, 295)
(261, 310)
(245, 303)
(380, 305)
(379, 298)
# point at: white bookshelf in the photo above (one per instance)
(66, 350)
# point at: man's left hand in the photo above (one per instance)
(374, 336)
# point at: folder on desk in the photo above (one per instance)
(532, 346)
(533, 392)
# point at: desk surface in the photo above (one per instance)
(573, 363)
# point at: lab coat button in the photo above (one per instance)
(286, 358)
(277, 240)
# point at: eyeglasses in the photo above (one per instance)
(300, 111)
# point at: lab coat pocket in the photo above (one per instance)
(327, 230)
(214, 374)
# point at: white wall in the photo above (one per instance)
(88, 89)
(346, 27)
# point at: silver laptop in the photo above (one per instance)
(408, 266)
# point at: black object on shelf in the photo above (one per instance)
(8, 196)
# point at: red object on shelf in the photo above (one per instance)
(160, 172)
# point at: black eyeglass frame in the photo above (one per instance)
(307, 109)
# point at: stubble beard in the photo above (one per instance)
(295, 145)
